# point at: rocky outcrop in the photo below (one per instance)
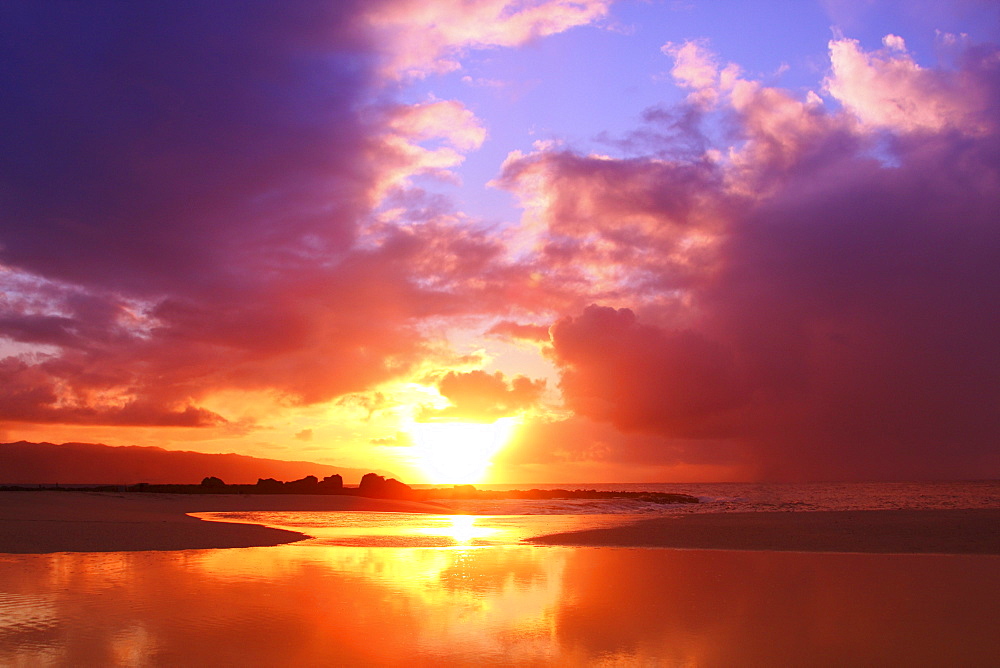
(375, 486)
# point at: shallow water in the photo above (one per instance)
(377, 529)
(487, 601)
(752, 497)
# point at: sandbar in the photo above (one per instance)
(41, 522)
(950, 531)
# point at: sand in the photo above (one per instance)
(39, 522)
(967, 531)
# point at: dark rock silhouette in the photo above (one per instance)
(307, 485)
(376, 486)
(372, 485)
(332, 484)
(268, 485)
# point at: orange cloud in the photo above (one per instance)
(515, 330)
(480, 396)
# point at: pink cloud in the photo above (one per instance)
(888, 89)
(423, 139)
(695, 68)
(828, 313)
(664, 212)
(426, 37)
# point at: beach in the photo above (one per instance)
(962, 531)
(128, 579)
(40, 522)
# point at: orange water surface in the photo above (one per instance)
(316, 604)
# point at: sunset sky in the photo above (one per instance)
(531, 241)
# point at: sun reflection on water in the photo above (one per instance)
(314, 603)
(464, 530)
(382, 529)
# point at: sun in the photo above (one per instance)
(458, 452)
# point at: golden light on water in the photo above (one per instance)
(463, 529)
(458, 452)
(504, 605)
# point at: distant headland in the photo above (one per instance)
(24, 462)
(25, 465)
(372, 486)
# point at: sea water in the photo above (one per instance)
(750, 497)
(388, 589)
(511, 521)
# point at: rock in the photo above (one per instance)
(332, 484)
(375, 486)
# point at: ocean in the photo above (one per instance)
(480, 523)
(461, 589)
(752, 497)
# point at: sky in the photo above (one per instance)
(488, 241)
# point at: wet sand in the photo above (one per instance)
(40, 522)
(519, 605)
(971, 531)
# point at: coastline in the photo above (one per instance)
(958, 531)
(42, 522)
(79, 521)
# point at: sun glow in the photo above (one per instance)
(458, 452)
(463, 529)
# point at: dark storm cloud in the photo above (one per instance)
(836, 308)
(186, 205)
(152, 147)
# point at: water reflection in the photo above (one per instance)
(309, 604)
(417, 529)
(462, 529)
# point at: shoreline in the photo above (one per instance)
(931, 531)
(77, 521)
(45, 522)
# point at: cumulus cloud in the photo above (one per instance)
(481, 396)
(888, 89)
(189, 209)
(424, 139)
(696, 68)
(520, 331)
(805, 288)
(663, 221)
(425, 37)
(824, 309)
(41, 393)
